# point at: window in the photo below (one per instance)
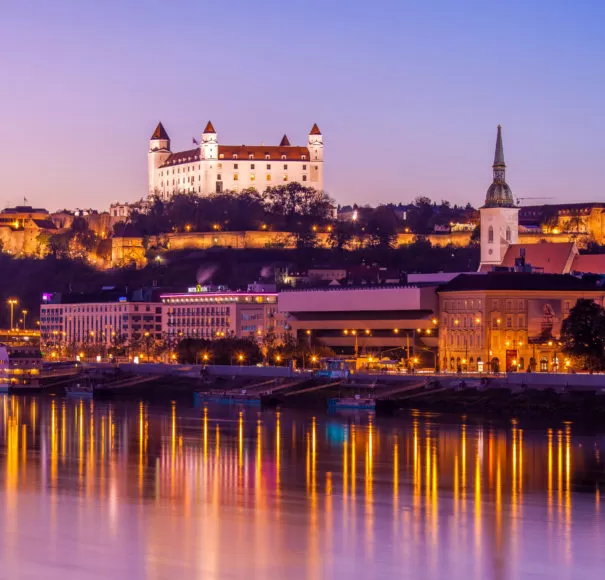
(490, 235)
(252, 166)
(509, 322)
(268, 177)
(267, 156)
(235, 156)
(236, 177)
(235, 166)
(303, 157)
(219, 177)
(252, 177)
(285, 178)
(304, 166)
(283, 157)
(508, 235)
(268, 166)
(285, 167)
(251, 156)
(221, 156)
(304, 178)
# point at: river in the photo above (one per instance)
(134, 490)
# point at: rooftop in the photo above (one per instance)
(519, 281)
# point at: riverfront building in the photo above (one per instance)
(103, 319)
(376, 320)
(507, 321)
(212, 167)
(212, 313)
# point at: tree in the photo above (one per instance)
(583, 334)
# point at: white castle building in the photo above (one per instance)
(214, 168)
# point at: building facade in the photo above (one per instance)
(208, 313)
(382, 321)
(507, 321)
(101, 321)
(213, 168)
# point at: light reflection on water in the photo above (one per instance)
(92, 490)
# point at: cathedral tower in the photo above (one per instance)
(499, 216)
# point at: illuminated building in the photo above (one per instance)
(213, 168)
(511, 319)
(211, 313)
(102, 319)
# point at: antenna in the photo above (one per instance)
(520, 199)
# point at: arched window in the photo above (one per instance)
(508, 235)
(490, 235)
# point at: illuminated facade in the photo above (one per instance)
(102, 323)
(213, 168)
(513, 320)
(209, 314)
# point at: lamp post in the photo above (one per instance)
(12, 302)
(352, 333)
(24, 312)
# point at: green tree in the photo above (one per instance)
(583, 334)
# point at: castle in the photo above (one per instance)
(213, 168)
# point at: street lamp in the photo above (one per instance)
(12, 302)
(24, 312)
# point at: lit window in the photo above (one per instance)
(252, 177)
(219, 165)
(285, 178)
(268, 177)
(221, 156)
(235, 177)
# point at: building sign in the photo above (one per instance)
(543, 319)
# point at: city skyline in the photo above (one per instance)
(408, 97)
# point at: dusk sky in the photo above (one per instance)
(408, 94)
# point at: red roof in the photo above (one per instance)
(160, 133)
(589, 264)
(209, 128)
(315, 130)
(285, 142)
(551, 258)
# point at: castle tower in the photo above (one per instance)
(316, 150)
(159, 151)
(210, 172)
(499, 216)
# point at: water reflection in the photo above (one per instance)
(142, 491)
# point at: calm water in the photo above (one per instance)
(91, 490)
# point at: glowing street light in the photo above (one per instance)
(12, 302)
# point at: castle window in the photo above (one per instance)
(268, 177)
(252, 166)
(235, 166)
(304, 178)
(267, 156)
(285, 167)
(508, 234)
(285, 178)
(219, 165)
(304, 167)
(252, 177)
(268, 166)
(303, 157)
(235, 156)
(283, 156)
(235, 177)
(250, 156)
(221, 156)
(219, 177)
(490, 235)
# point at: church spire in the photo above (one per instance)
(499, 166)
(499, 194)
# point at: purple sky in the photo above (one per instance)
(407, 93)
